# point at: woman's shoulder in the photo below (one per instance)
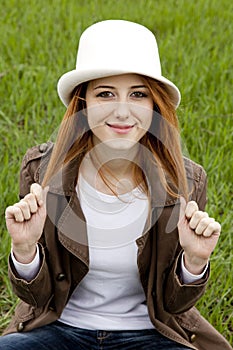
(33, 166)
(38, 152)
(194, 171)
(197, 182)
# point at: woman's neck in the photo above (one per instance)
(110, 171)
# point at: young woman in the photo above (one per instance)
(110, 240)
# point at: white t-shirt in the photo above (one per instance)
(110, 296)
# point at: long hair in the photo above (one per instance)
(162, 140)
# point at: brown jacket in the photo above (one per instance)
(65, 258)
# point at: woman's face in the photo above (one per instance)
(119, 110)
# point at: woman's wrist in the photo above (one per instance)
(195, 265)
(24, 254)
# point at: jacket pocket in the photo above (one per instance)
(201, 333)
(189, 320)
(24, 312)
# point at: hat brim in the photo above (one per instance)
(70, 80)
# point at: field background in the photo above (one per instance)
(38, 42)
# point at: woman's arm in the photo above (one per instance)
(25, 221)
(198, 236)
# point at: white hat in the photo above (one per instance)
(114, 47)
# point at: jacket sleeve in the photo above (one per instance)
(30, 291)
(180, 297)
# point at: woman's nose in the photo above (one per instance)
(121, 110)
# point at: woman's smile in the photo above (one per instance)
(120, 128)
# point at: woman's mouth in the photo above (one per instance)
(120, 128)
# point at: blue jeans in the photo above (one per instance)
(58, 336)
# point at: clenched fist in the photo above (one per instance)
(198, 234)
(25, 221)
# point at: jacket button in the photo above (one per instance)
(20, 327)
(193, 338)
(43, 147)
(61, 277)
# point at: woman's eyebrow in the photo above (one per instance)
(138, 86)
(112, 87)
(104, 87)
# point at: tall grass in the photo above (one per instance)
(38, 43)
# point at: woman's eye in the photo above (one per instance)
(139, 94)
(105, 94)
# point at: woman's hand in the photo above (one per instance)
(25, 221)
(198, 234)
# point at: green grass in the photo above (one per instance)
(38, 43)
